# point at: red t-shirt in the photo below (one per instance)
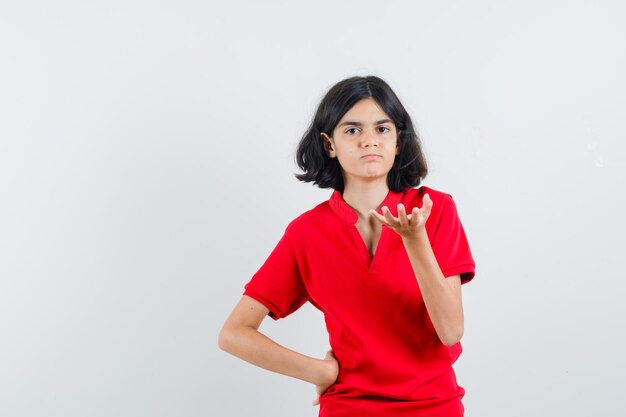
(391, 361)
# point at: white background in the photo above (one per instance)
(146, 172)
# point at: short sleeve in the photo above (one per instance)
(278, 284)
(450, 244)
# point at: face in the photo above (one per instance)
(365, 141)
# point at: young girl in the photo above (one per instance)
(383, 261)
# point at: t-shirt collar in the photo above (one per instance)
(347, 213)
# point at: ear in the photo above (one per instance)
(398, 145)
(329, 145)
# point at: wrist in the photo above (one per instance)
(417, 237)
(326, 372)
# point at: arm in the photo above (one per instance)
(442, 296)
(240, 337)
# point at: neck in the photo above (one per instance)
(364, 196)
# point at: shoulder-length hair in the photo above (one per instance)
(409, 166)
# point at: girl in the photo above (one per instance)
(383, 260)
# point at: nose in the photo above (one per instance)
(369, 139)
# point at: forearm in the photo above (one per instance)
(249, 344)
(442, 300)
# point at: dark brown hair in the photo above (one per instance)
(409, 166)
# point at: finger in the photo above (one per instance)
(427, 205)
(379, 217)
(415, 216)
(402, 219)
(316, 401)
(392, 221)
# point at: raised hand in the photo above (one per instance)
(406, 225)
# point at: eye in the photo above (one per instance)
(384, 129)
(351, 131)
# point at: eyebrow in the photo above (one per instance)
(351, 123)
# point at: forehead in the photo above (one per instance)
(366, 110)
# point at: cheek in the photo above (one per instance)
(346, 151)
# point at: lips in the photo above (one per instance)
(371, 156)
